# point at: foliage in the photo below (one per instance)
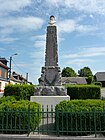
(68, 72)
(23, 91)
(85, 72)
(89, 79)
(98, 83)
(18, 115)
(80, 115)
(80, 105)
(83, 91)
(5, 100)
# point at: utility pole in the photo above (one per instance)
(26, 78)
(11, 64)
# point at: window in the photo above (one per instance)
(0, 73)
(0, 86)
(5, 74)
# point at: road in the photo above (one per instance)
(103, 92)
(1, 94)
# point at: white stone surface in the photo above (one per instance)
(49, 100)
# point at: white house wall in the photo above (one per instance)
(2, 85)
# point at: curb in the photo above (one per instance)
(48, 137)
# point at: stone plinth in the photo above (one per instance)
(49, 100)
(50, 91)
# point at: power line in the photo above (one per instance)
(19, 67)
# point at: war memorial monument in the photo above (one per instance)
(50, 90)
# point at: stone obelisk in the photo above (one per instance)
(51, 75)
(50, 80)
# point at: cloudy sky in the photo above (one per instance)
(81, 34)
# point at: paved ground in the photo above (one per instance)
(103, 92)
(1, 94)
(46, 137)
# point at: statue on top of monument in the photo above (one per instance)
(52, 21)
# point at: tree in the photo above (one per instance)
(85, 72)
(89, 79)
(68, 72)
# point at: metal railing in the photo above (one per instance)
(80, 122)
(14, 121)
(52, 121)
(27, 120)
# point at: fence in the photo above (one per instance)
(80, 123)
(14, 121)
(25, 120)
(52, 122)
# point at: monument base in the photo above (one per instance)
(49, 100)
(50, 91)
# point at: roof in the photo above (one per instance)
(15, 80)
(2, 65)
(3, 59)
(100, 76)
(18, 78)
(3, 62)
(73, 80)
(15, 75)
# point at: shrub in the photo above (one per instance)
(80, 105)
(79, 117)
(89, 79)
(98, 84)
(83, 91)
(23, 91)
(5, 100)
(19, 116)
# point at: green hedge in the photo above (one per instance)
(83, 91)
(79, 117)
(18, 116)
(20, 92)
(5, 100)
(98, 83)
(80, 105)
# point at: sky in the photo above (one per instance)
(80, 31)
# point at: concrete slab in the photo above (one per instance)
(49, 100)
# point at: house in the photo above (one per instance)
(73, 80)
(100, 77)
(18, 79)
(3, 74)
(6, 79)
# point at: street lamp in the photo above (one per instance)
(10, 63)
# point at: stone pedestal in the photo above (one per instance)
(50, 91)
(49, 100)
